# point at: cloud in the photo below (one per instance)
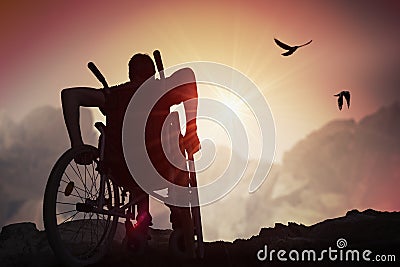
(28, 150)
(355, 160)
(342, 166)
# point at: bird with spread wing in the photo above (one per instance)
(346, 95)
(290, 49)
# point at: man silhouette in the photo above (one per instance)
(113, 103)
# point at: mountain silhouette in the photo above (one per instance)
(23, 245)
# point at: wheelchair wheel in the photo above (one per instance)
(77, 235)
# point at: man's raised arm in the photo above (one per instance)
(185, 90)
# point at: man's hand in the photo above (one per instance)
(191, 142)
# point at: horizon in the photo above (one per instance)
(46, 47)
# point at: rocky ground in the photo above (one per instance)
(23, 245)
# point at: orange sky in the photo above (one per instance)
(45, 47)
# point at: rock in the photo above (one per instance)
(23, 245)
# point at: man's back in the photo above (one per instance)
(116, 103)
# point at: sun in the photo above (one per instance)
(235, 107)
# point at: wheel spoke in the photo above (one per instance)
(93, 185)
(65, 212)
(71, 195)
(83, 222)
(80, 176)
(85, 179)
(92, 178)
(66, 175)
(78, 173)
(70, 217)
(83, 234)
(97, 189)
(65, 203)
(77, 187)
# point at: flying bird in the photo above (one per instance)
(346, 95)
(290, 49)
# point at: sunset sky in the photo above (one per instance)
(45, 46)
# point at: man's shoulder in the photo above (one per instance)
(185, 72)
(179, 78)
(182, 76)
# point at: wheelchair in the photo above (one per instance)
(82, 207)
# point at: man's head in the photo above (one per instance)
(141, 67)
